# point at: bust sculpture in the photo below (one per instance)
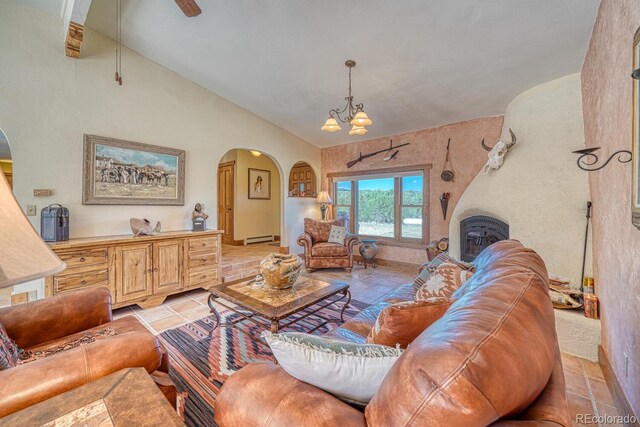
(199, 218)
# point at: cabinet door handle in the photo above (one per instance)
(82, 259)
(83, 282)
(150, 270)
(155, 269)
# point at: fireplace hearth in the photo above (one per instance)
(478, 232)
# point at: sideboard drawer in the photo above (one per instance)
(70, 282)
(203, 260)
(202, 277)
(203, 244)
(80, 258)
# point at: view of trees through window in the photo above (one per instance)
(378, 208)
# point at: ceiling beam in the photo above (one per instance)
(74, 15)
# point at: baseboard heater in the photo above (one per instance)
(258, 239)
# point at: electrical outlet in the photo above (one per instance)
(626, 365)
(32, 210)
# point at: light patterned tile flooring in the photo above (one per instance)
(587, 391)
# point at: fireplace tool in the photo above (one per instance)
(586, 238)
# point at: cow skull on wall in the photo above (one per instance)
(497, 153)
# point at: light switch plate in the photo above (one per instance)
(32, 210)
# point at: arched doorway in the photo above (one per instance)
(249, 198)
(250, 202)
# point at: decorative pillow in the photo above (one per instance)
(86, 338)
(427, 269)
(443, 282)
(352, 372)
(9, 351)
(400, 323)
(337, 234)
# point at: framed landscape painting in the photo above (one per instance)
(118, 172)
(259, 184)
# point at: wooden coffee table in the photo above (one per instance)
(269, 307)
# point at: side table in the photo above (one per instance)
(128, 397)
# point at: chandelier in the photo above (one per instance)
(356, 116)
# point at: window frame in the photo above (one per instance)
(397, 240)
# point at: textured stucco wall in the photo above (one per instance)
(538, 191)
(48, 101)
(607, 103)
(427, 146)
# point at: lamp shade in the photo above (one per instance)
(331, 125)
(357, 130)
(323, 197)
(24, 255)
(361, 119)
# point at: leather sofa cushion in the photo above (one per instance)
(405, 292)
(319, 230)
(401, 323)
(120, 326)
(327, 249)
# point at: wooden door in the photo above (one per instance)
(167, 266)
(225, 201)
(134, 271)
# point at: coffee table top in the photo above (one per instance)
(277, 304)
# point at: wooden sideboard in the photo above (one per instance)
(141, 270)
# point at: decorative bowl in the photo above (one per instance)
(280, 271)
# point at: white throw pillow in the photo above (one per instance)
(350, 371)
(337, 234)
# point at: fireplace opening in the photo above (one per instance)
(478, 232)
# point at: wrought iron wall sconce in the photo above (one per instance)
(588, 158)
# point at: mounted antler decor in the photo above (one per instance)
(497, 153)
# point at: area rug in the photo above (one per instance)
(202, 358)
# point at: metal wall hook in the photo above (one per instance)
(589, 158)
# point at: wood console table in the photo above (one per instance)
(141, 270)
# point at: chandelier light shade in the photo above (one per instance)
(357, 130)
(24, 255)
(354, 113)
(361, 119)
(331, 125)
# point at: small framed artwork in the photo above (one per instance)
(118, 172)
(635, 185)
(259, 184)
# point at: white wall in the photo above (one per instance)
(48, 101)
(539, 191)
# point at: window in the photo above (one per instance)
(388, 205)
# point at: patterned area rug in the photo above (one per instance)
(202, 358)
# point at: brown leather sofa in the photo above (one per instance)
(492, 358)
(49, 323)
(319, 253)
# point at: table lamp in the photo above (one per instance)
(323, 197)
(24, 255)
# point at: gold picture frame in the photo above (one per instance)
(259, 184)
(635, 184)
(118, 172)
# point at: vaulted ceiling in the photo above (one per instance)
(420, 63)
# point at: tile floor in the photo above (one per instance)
(587, 391)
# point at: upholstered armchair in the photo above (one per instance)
(81, 342)
(319, 253)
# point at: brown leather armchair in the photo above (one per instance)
(319, 253)
(49, 323)
(492, 358)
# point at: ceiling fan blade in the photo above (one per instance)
(189, 7)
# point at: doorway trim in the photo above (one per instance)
(228, 235)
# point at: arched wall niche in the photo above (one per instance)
(302, 181)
